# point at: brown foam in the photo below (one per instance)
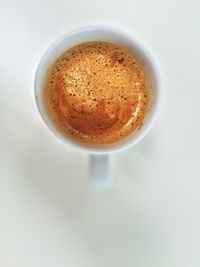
(97, 93)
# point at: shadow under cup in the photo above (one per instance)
(121, 39)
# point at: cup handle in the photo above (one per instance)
(99, 172)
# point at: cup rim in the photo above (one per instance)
(118, 146)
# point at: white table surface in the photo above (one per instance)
(49, 217)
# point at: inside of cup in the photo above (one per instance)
(108, 35)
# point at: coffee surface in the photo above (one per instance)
(97, 93)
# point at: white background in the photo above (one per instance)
(49, 217)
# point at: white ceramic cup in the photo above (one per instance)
(99, 155)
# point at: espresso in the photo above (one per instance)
(97, 93)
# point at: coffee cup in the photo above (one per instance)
(99, 155)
